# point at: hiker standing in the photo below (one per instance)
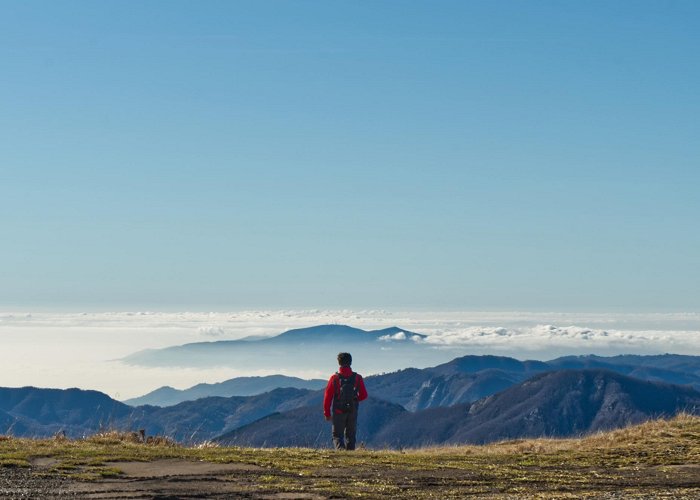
(343, 394)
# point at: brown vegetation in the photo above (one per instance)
(656, 459)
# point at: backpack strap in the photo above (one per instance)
(336, 384)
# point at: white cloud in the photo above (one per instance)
(211, 331)
(396, 336)
(533, 335)
(547, 341)
(48, 349)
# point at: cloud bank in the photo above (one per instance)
(68, 349)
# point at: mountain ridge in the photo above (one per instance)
(237, 386)
(552, 404)
(289, 349)
(31, 411)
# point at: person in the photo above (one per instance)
(341, 402)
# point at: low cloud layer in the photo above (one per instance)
(543, 337)
(66, 349)
(211, 331)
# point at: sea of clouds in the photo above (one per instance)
(82, 349)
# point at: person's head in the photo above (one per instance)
(344, 359)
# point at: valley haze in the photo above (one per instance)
(62, 350)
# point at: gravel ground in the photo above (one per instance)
(171, 479)
(25, 482)
(161, 480)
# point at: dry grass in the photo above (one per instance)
(117, 437)
(683, 428)
(640, 461)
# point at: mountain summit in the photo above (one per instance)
(312, 347)
(343, 333)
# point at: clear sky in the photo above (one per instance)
(539, 155)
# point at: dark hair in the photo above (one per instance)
(344, 359)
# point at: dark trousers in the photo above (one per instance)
(344, 430)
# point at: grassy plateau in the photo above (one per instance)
(656, 459)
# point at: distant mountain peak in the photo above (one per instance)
(390, 330)
(346, 333)
(239, 386)
(473, 363)
(323, 330)
(394, 333)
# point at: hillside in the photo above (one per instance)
(671, 368)
(564, 403)
(671, 362)
(462, 381)
(239, 386)
(658, 459)
(30, 411)
(306, 427)
(206, 418)
(44, 412)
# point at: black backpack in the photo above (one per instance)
(345, 394)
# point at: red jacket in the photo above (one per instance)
(345, 371)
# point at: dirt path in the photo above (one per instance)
(178, 478)
(167, 468)
(160, 479)
(163, 479)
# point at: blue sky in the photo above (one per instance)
(426, 155)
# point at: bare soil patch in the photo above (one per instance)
(174, 478)
(174, 467)
(178, 478)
